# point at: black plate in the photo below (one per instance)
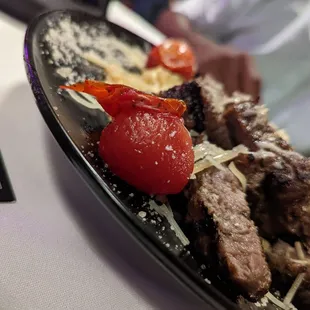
(76, 124)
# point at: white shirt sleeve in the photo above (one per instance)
(216, 18)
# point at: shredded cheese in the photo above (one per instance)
(265, 145)
(266, 245)
(280, 132)
(166, 212)
(150, 80)
(238, 174)
(193, 133)
(287, 301)
(299, 279)
(299, 250)
(305, 262)
(276, 301)
(294, 288)
(214, 163)
(283, 134)
(208, 155)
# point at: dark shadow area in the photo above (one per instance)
(105, 236)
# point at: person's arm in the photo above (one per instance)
(235, 69)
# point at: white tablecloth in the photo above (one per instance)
(55, 253)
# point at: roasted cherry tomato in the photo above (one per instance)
(151, 151)
(146, 144)
(176, 56)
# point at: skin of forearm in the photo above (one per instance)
(178, 26)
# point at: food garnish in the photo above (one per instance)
(165, 211)
(146, 144)
(174, 55)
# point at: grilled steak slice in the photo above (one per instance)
(278, 192)
(203, 229)
(248, 123)
(215, 100)
(287, 190)
(219, 194)
(282, 191)
(205, 100)
(283, 259)
(255, 166)
(190, 93)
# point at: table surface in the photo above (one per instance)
(56, 253)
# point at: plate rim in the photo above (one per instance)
(175, 267)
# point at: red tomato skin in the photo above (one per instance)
(153, 58)
(175, 55)
(151, 151)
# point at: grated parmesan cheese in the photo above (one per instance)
(172, 134)
(166, 212)
(68, 41)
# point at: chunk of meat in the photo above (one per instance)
(283, 259)
(214, 102)
(190, 94)
(255, 166)
(287, 190)
(248, 124)
(278, 189)
(278, 192)
(205, 100)
(203, 230)
(219, 194)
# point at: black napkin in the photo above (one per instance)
(6, 190)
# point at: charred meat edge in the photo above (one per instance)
(238, 245)
(285, 180)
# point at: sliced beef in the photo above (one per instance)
(217, 194)
(205, 100)
(279, 189)
(255, 166)
(248, 124)
(215, 100)
(283, 260)
(287, 190)
(203, 229)
(190, 93)
(278, 192)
